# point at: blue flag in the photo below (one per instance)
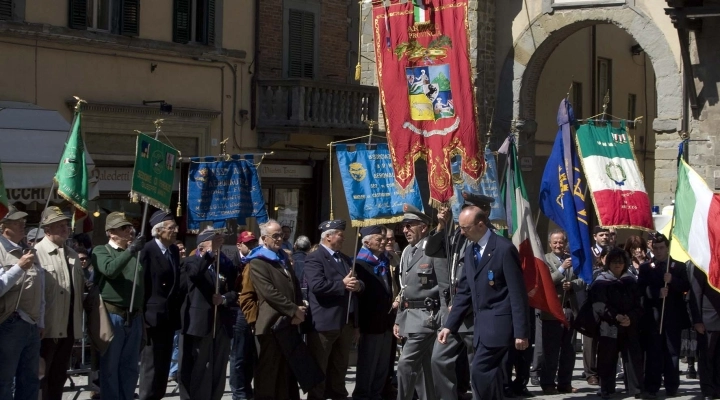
(562, 195)
(488, 186)
(222, 190)
(370, 190)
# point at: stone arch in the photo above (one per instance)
(537, 42)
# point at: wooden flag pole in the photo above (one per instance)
(217, 287)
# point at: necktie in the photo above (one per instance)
(478, 253)
(168, 256)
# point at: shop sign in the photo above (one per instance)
(111, 179)
(27, 196)
(285, 171)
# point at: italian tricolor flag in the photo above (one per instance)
(615, 182)
(3, 196)
(538, 282)
(696, 229)
(422, 12)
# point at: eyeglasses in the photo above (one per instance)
(467, 228)
(275, 236)
(409, 225)
(82, 259)
(172, 228)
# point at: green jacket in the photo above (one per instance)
(114, 273)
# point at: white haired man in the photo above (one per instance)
(161, 259)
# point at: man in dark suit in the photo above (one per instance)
(205, 339)
(705, 310)
(331, 282)
(376, 320)
(492, 286)
(161, 259)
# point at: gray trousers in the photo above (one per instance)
(444, 357)
(589, 356)
(414, 370)
(537, 363)
(203, 363)
(372, 368)
(331, 350)
(559, 354)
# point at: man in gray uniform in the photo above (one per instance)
(451, 247)
(418, 319)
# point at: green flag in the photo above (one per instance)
(154, 172)
(3, 196)
(71, 177)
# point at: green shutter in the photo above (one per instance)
(181, 21)
(210, 22)
(301, 44)
(6, 7)
(130, 18)
(78, 14)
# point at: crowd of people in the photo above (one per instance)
(284, 316)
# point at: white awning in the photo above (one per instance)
(33, 140)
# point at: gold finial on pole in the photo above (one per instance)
(79, 103)
(606, 101)
(371, 124)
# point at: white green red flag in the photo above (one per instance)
(421, 12)
(616, 184)
(521, 227)
(696, 229)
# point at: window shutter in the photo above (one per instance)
(6, 7)
(130, 18)
(210, 22)
(78, 14)
(301, 44)
(181, 21)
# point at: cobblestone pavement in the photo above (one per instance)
(689, 389)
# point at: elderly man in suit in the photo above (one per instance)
(161, 259)
(205, 340)
(492, 287)
(558, 341)
(333, 309)
(418, 318)
(278, 300)
(705, 311)
(376, 321)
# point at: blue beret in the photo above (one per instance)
(160, 216)
(371, 230)
(333, 224)
(206, 235)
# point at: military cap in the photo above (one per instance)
(209, 234)
(35, 234)
(160, 216)
(51, 215)
(599, 229)
(14, 214)
(371, 230)
(477, 200)
(412, 214)
(116, 220)
(332, 224)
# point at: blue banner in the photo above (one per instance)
(370, 188)
(562, 195)
(222, 190)
(487, 186)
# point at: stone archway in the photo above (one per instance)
(532, 49)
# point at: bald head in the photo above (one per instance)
(473, 222)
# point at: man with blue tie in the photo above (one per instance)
(492, 287)
(333, 309)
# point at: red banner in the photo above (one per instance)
(423, 64)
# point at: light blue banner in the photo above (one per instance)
(370, 189)
(488, 186)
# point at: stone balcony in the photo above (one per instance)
(305, 106)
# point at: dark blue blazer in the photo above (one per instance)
(501, 309)
(326, 291)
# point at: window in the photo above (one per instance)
(576, 99)
(194, 21)
(632, 106)
(121, 17)
(604, 84)
(301, 44)
(6, 9)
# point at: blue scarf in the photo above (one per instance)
(268, 255)
(379, 264)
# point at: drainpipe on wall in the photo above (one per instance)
(256, 69)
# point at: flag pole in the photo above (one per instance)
(681, 150)
(158, 123)
(217, 287)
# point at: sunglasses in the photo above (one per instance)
(82, 259)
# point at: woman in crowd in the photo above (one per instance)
(616, 302)
(637, 250)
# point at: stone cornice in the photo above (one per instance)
(64, 35)
(151, 111)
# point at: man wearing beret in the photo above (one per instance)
(161, 259)
(446, 357)
(22, 318)
(375, 319)
(492, 286)
(330, 284)
(205, 340)
(63, 300)
(115, 265)
(418, 318)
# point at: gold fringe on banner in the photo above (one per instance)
(375, 221)
(148, 200)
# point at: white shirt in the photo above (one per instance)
(482, 243)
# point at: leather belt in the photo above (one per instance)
(408, 304)
(123, 312)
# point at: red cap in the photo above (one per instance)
(246, 236)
